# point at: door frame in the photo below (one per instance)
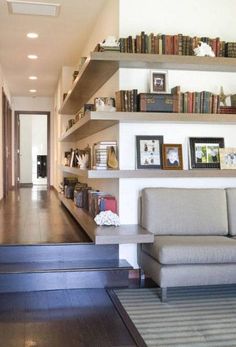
(7, 144)
(17, 144)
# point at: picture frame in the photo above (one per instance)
(228, 158)
(204, 152)
(148, 152)
(172, 156)
(158, 81)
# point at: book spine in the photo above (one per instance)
(142, 42)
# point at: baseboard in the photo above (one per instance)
(26, 185)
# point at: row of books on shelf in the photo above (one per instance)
(176, 101)
(103, 156)
(178, 44)
(94, 201)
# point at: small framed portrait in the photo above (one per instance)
(172, 157)
(148, 150)
(228, 158)
(159, 81)
(205, 152)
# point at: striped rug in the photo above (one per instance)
(197, 317)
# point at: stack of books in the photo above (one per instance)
(127, 100)
(227, 109)
(100, 154)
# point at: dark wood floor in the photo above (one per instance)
(35, 215)
(73, 318)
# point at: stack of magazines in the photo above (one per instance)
(100, 154)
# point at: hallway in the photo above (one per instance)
(34, 216)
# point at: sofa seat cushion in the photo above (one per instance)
(192, 249)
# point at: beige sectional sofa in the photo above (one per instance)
(195, 236)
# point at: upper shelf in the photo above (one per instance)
(100, 66)
(97, 121)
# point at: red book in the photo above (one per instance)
(168, 44)
(110, 204)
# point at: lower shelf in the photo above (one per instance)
(107, 235)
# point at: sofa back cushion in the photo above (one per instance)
(179, 211)
(231, 201)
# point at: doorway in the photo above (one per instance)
(32, 148)
(7, 144)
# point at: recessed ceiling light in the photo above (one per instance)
(32, 56)
(32, 35)
(33, 8)
(33, 90)
(33, 77)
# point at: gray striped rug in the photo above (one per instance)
(198, 317)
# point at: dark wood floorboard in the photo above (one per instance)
(35, 215)
(73, 318)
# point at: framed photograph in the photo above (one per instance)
(172, 157)
(228, 158)
(159, 81)
(205, 152)
(148, 149)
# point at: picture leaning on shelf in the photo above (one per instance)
(228, 158)
(172, 157)
(204, 152)
(148, 152)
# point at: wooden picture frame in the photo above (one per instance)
(158, 81)
(204, 152)
(172, 156)
(228, 158)
(148, 152)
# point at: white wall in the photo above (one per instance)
(45, 104)
(190, 17)
(107, 24)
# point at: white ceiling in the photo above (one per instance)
(60, 42)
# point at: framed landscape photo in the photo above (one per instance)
(172, 157)
(148, 151)
(159, 81)
(205, 152)
(228, 158)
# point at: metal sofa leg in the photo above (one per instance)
(163, 295)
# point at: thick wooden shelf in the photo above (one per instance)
(148, 173)
(97, 121)
(107, 235)
(100, 66)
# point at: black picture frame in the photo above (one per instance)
(149, 152)
(201, 149)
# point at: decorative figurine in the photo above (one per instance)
(204, 50)
(223, 96)
(107, 218)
